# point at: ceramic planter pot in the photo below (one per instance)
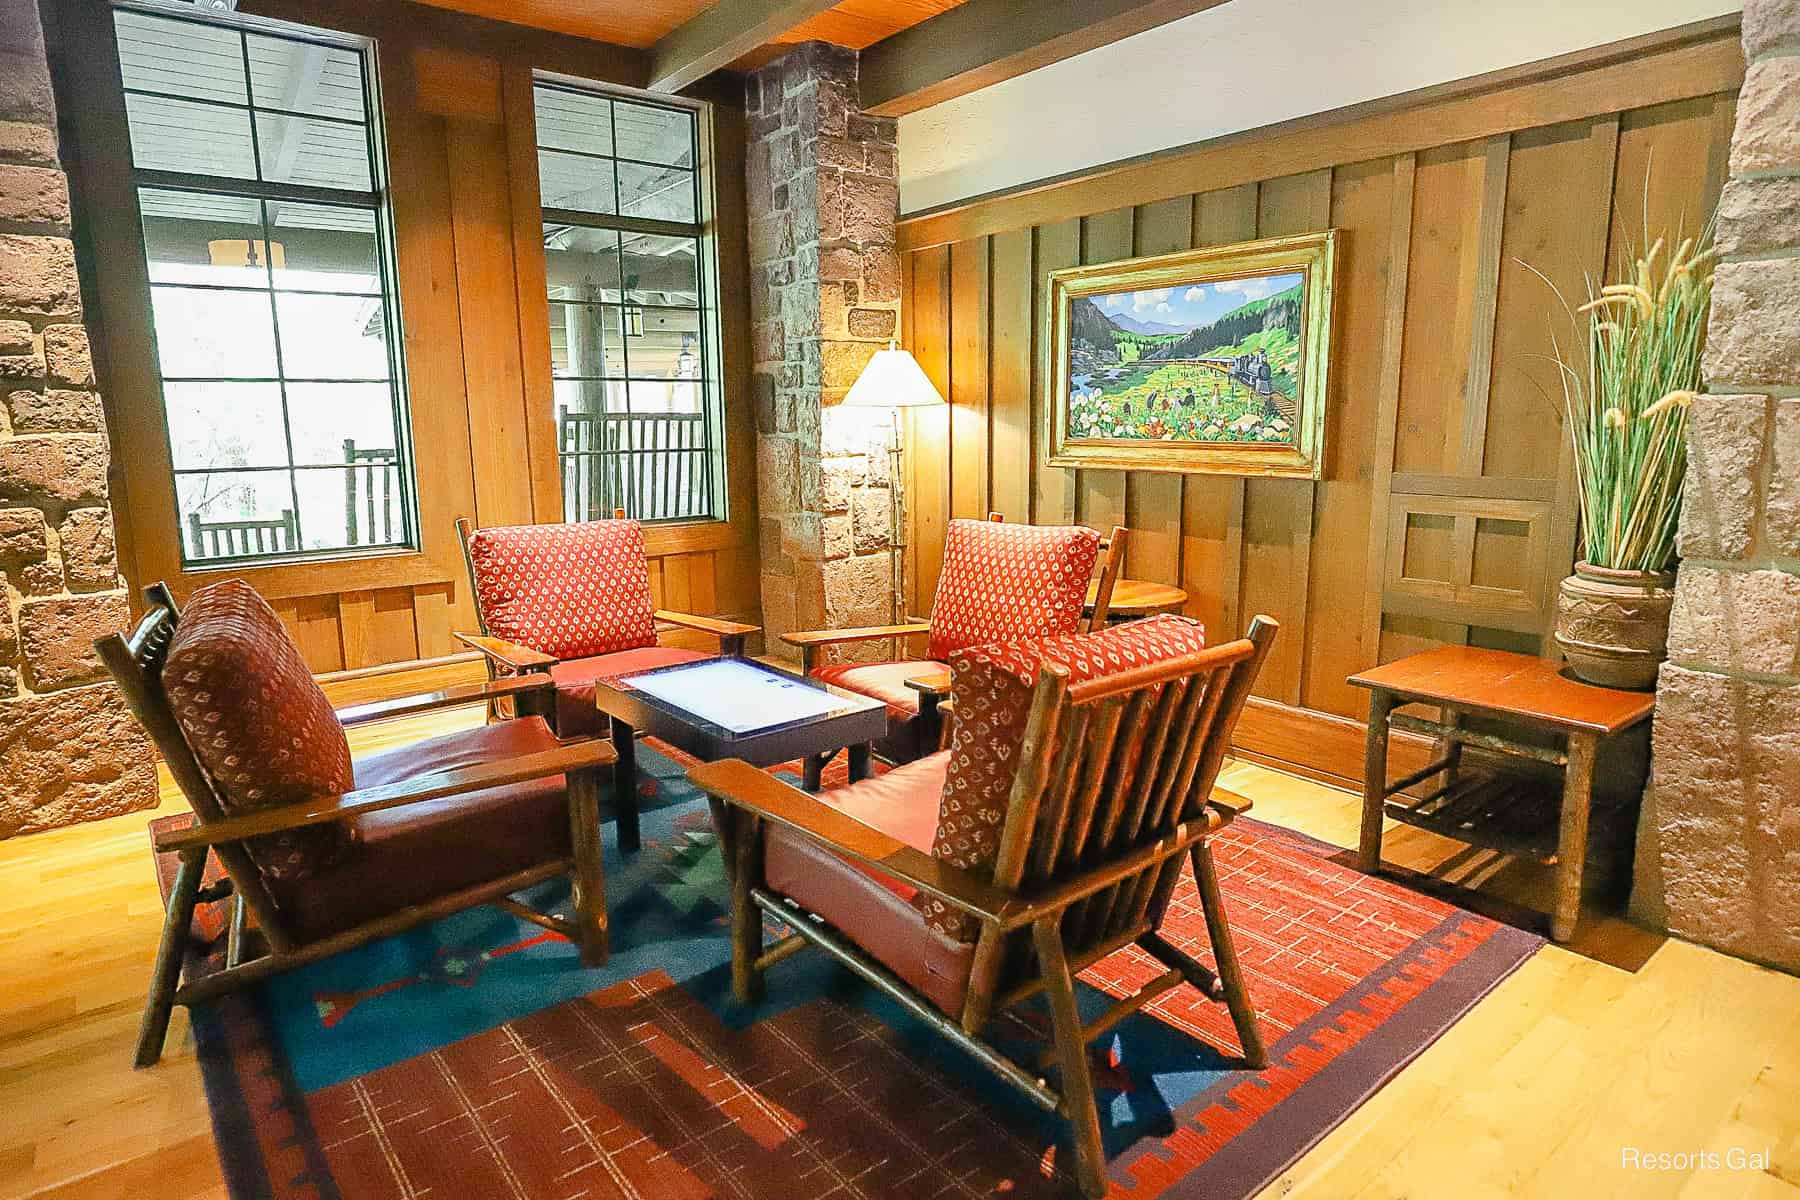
(1613, 626)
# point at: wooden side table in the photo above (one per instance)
(1463, 681)
(1134, 598)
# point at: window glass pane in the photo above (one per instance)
(576, 398)
(581, 264)
(573, 121)
(315, 153)
(673, 395)
(586, 339)
(332, 337)
(180, 58)
(193, 237)
(213, 334)
(341, 507)
(215, 426)
(340, 423)
(325, 248)
(199, 139)
(660, 193)
(657, 135)
(576, 183)
(662, 343)
(237, 514)
(661, 270)
(306, 77)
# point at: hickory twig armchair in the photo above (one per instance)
(573, 602)
(1025, 883)
(1000, 582)
(324, 854)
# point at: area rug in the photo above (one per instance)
(476, 1058)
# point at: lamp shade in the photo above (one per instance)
(893, 379)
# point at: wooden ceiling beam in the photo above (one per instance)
(721, 34)
(982, 42)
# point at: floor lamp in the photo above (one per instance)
(894, 380)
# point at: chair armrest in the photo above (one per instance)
(935, 684)
(868, 633)
(743, 786)
(716, 625)
(503, 653)
(463, 693)
(1228, 803)
(321, 810)
(731, 634)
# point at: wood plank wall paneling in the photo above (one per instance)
(1446, 511)
(460, 131)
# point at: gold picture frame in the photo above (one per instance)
(1211, 361)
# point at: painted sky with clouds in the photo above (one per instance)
(1200, 304)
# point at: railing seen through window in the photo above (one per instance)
(261, 189)
(631, 332)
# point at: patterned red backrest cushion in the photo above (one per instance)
(257, 721)
(1003, 582)
(569, 590)
(992, 686)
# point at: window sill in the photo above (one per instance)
(687, 537)
(323, 576)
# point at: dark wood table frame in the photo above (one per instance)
(631, 713)
(1462, 681)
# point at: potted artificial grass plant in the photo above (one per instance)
(1626, 404)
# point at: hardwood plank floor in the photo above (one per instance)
(1539, 1092)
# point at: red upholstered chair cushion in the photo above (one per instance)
(877, 910)
(419, 852)
(991, 687)
(884, 681)
(1003, 582)
(257, 721)
(576, 715)
(569, 590)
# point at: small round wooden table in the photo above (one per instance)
(1134, 598)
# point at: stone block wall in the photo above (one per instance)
(825, 294)
(69, 751)
(1720, 860)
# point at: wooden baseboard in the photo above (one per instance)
(1318, 745)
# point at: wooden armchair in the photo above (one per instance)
(573, 602)
(999, 582)
(399, 839)
(1019, 887)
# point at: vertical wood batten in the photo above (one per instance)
(1278, 513)
(931, 466)
(970, 312)
(1212, 506)
(1010, 442)
(1496, 155)
(1058, 246)
(1102, 497)
(1153, 508)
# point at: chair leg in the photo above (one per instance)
(1231, 973)
(165, 976)
(589, 873)
(744, 847)
(625, 799)
(1078, 1105)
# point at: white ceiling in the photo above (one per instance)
(1240, 66)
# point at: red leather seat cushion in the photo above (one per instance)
(885, 682)
(418, 852)
(576, 715)
(873, 909)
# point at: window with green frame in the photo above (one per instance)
(632, 329)
(261, 189)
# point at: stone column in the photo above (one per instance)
(824, 295)
(70, 750)
(1722, 825)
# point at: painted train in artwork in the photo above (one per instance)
(1217, 361)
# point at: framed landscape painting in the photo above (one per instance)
(1205, 361)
